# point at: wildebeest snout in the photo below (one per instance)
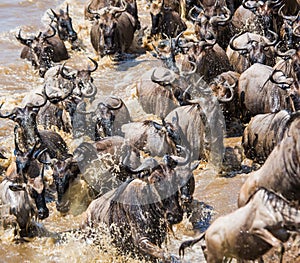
(173, 217)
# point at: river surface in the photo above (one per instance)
(214, 195)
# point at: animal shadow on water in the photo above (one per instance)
(200, 215)
(127, 61)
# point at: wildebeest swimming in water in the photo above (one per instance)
(142, 209)
(43, 50)
(250, 231)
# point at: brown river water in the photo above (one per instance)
(214, 195)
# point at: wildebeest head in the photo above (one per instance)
(287, 30)
(263, 10)
(256, 50)
(104, 116)
(205, 23)
(183, 169)
(31, 175)
(107, 19)
(279, 78)
(84, 82)
(26, 119)
(163, 183)
(40, 51)
(64, 25)
(223, 87)
(64, 172)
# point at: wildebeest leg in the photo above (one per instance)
(148, 247)
(265, 235)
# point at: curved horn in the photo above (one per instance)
(92, 12)
(233, 47)
(53, 12)
(113, 9)
(221, 19)
(287, 81)
(166, 79)
(56, 99)
(90, 94)
(31, 105)
(22, 40)
(290, 18)
(191, 11)
(118, 106)
(39, 153)
(187, 155)
(53, 33)
(274, 41)
(295, 29)
(65, 76)
(67, 9)
(210, 39)
(8, 115)
(288, 54)
(95, 65)
(231, 88)
(148, 165)
(193, 101)
(78, 110)
(186, 73)
(251, 7)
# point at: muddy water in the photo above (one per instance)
(214, 195)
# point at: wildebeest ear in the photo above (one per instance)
(17, 187)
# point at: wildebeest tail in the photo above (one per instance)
(189, 243)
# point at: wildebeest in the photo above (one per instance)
(250, 231)
(152, 137)
(200, 124)
(107, 117)
(264, 90)
(65, 88)
(113, 30)
(217, 22)
(287, 30)
(225, 88)
(280, 172)
(257, 16)
(289, 64)
(28, 135)
(245, 49)
(163, 91)
(63, 25)
(141, 209)
(30, 169)
(20, 205)
(96, 5)
(24, 197)
(165, 21)
(101, 164)
(42, 50)
(264, 132)
(210, 58)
